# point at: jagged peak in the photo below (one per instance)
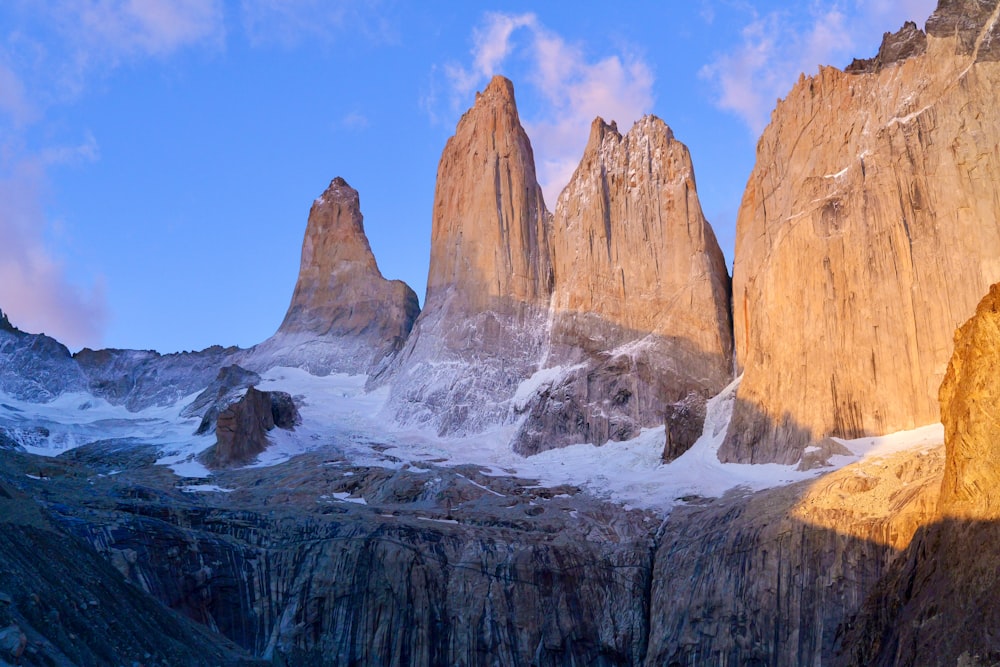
(907, 42)
(339, 191)
(5, 324)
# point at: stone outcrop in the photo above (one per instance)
(640, 302)
(227, 388)
(867, 233)
(241, 428)
(483, 324)
(340, 296)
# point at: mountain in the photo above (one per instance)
(344, 316)
(639, 316)
(867, 233)
(483, 325)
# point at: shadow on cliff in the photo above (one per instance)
(938, 604)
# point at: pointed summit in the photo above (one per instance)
(490, 276)
(340, 293)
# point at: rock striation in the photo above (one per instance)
(867, 233)
(483, 324)
(344, 316)
(640, 314)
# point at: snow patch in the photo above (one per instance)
(205, 488)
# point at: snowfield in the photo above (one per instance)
(340, 416)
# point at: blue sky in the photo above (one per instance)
(158, 158)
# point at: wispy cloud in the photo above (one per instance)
(49, 54)
(574, 88)
(34, 287)
(290, 22)
(775, 48)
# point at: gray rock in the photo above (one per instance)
(12, 642)
(963, 19)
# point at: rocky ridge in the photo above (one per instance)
(866, 235)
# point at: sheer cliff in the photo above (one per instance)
(867, 233)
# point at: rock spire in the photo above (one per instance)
(483, 324)
(340, 297)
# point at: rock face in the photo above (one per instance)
(340, 295)
(939, 596)
(640, 304)
(482, 328)
(867, 233)
(964, 21)
(970, 396)
(241, 430)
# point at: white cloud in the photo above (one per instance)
(779, 46)
(574, 87)
(142, 27)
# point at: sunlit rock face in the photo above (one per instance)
(640, 305)
(937, 601)
(970, 407)
(340, 297)
(867, 233)
(484, 320)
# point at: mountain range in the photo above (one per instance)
(592, 445)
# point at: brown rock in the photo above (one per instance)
(867, 233)
(490, 276)
(340, 293)
(970, 405)
(241, 429)
(640, 305)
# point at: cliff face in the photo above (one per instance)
(867, 233)
(340, 294)
(483, 324)
(970, 395)
(939, 596)
(640, 304)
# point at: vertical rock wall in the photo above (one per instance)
(867, 233)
